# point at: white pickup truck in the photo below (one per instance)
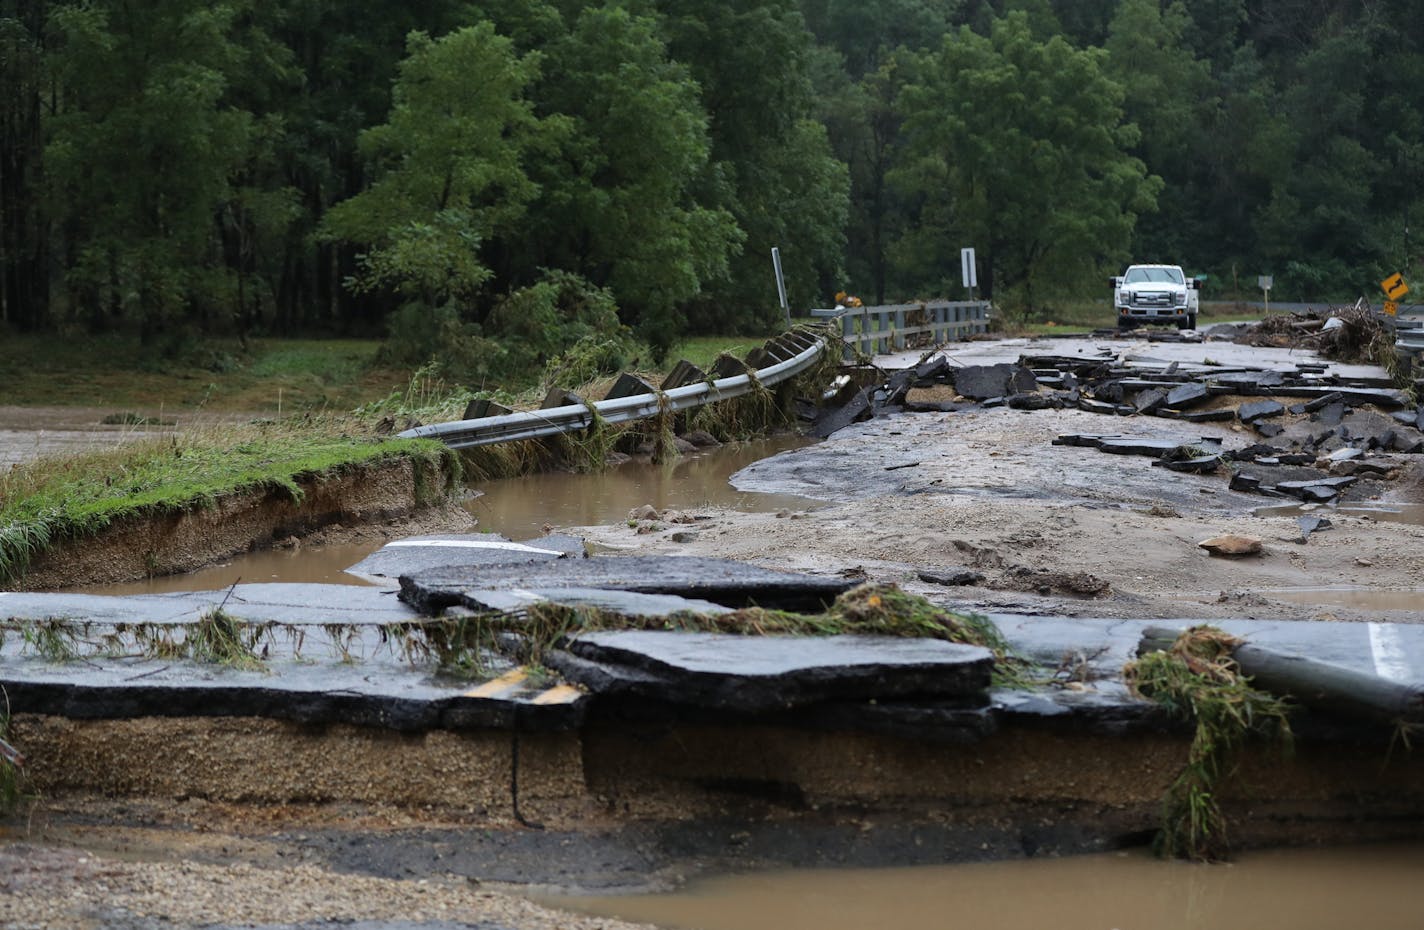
(1156, 294)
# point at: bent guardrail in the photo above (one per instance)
(533, 424)
(889, 328)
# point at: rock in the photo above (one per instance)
(1044, 581)
(645, 512)
(702, 439)
(951, 577)
(1244, 482)
(1232, 544)
(1269, 429)
(1331, 414)
(1208, 416)
(1032, 400)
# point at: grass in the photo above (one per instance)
(266, 376)
(1069, 316)
(1198, 680)
(49, 500)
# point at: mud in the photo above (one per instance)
(985, 490)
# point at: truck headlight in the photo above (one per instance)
(1182, 299)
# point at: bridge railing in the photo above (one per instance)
(894, 327)
(782, 358)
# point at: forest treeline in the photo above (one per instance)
(505, 176)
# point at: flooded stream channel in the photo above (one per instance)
(522, 508)
(1376, 887)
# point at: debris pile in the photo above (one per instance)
(1309, 434)
(1349, 334)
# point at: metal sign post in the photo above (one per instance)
(968, 271)
(780, 283)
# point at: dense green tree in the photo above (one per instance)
(449, 166)
(24, 259)
(142, 154)
(617, 203)
(1018, 147)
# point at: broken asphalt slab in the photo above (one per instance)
(722, 581)
(767, 673)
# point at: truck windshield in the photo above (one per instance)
(1152, 276)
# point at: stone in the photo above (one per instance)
(1207, 416)
(1331, 414)
(1269, 429)
(1032, 400)
(1232, 545)
(1244, 482)
(702, 439)
(1130, 446)
(951, 578)
(1089, 440)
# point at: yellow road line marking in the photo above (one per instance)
(560, 694)
(501, 686)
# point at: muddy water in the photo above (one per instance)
(1385, 513)
(1363, 598)
(521, 508)
(1372, 887)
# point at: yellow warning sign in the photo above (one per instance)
(1394, 286)
(1391, 307)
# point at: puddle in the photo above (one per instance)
(1385, 513)
(1374, 887)
(519, 508)
(1351, 596)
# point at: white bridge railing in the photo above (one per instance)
(891, 328)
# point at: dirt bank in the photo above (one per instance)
(397, 497)
(985, 490)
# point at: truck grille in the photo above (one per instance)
(1147, 299)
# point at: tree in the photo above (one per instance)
(450, 167)
(24, 259)
(145, 88)
(617, 203)
(1018, 147)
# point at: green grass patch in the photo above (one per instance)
(49, 500)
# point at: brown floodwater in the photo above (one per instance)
(521, 508)
(1351, 596)
(1385, 513)
(1377, 887)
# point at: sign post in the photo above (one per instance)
(780, 284)
(1264, 282)
(968, 270)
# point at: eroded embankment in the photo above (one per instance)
(139, 546)
(1026, 789)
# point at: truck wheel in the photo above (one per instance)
(1192, 321)
(1185, 323)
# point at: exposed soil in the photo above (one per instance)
(987, 490)
(364, 502)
